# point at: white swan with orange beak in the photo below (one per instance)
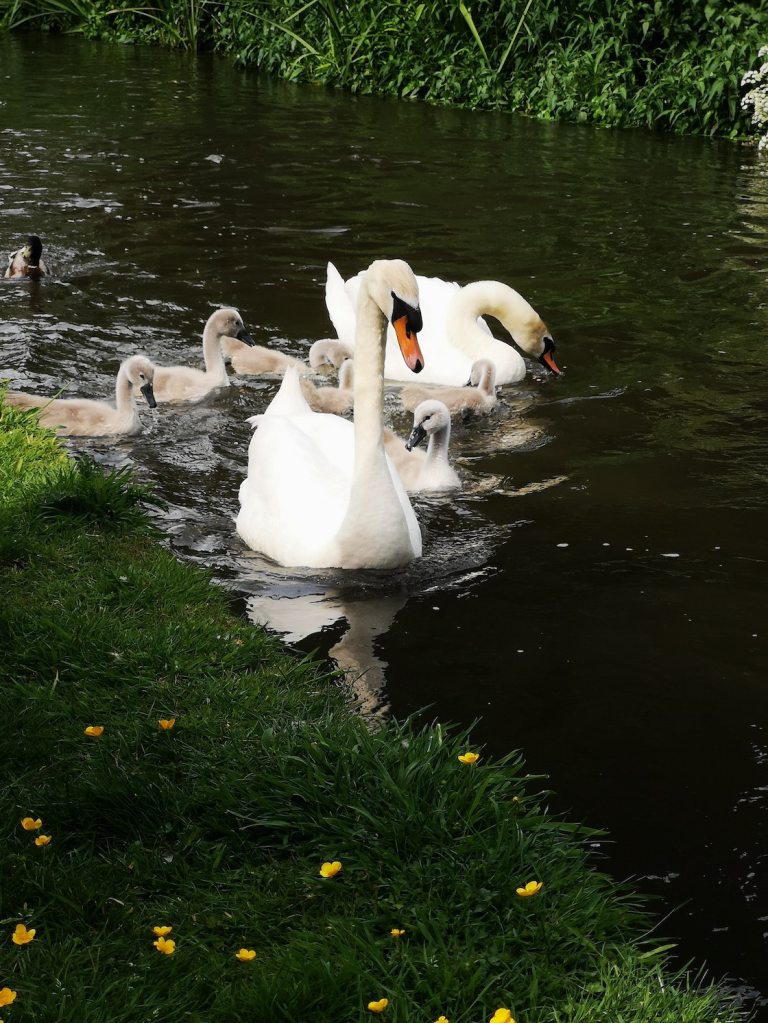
(455, 335)
(321, 491)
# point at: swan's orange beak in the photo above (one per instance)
(409, 344)
(547, 357)
(548, 360)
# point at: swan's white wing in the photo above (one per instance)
(414, 530)
(297, 491)
(341, 306)
(443, 364)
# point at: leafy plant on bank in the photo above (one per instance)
(656, 63)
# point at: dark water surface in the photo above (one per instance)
(597, 593)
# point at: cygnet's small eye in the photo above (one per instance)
(142, 376)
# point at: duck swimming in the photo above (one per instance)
(28, 260)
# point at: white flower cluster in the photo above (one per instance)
(757, 98)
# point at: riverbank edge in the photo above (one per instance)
(217, 825)
(649, 65)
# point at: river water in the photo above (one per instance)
(595, 596)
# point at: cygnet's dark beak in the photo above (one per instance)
(243, 335)
(149, 394)
(418, 433)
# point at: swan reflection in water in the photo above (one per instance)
(308, 613)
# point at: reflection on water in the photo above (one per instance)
(594, 594)
(364, 619)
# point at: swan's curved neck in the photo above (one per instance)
(486, 383)
(125, 401)
(381, 538)
(485, 298)
(437, 448)
(369, 377)
(213, 355)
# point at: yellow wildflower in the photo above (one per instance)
(43, 839)
(7, 996)
(94, 731)
(245, 955)
(160, 932)
(22, 936)
(502, 1016)
(397, 932)
(469, 758)
(165, 945)
(167, 723)
(379, 1006)
(31, 824)
(442, 1019)
(330, 869)
(532, 888)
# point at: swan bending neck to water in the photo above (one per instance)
(456, 335)
(320, 491)
(422, 472)
(84, 417)
(183, 383)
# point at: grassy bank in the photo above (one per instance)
(655, 63)
(217, 827)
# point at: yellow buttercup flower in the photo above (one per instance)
(43, 839)
(22, 936)
(379, 1006)
(442, 1019)
(532, 888)
(94, 731)
(397, 932)
(245, 955)
(7, 996)
(330, 869)
(165, 945)
(469, 758)
(501, 1016)
(167, 723)
(160, 932)
(31, 823)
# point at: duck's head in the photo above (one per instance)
(141, 373)
(429, 417)
(393, 287)
(229, 323)
(32, 250)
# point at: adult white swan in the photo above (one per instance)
(320, 491)
(455, 335)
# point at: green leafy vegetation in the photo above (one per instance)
(217, 827)
(655, 63)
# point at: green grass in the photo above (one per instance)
(653, 63)
(219, 827)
